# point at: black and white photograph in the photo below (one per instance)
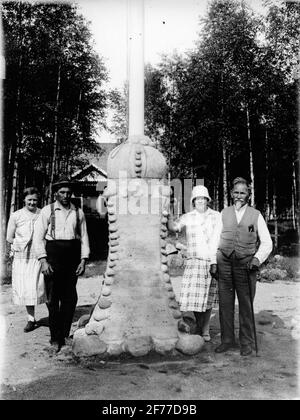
(149, 203)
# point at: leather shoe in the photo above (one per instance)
(68, 341)
(246, 350)
(56, 345)
(30, 326)
(224, 347)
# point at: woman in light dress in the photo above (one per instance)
(27, 279)
(199, 288)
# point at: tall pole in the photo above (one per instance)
(136, 66)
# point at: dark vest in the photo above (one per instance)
(241, 238)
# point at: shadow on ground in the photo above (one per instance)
(206, 375)
(79, 312)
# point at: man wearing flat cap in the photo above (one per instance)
(62, 246)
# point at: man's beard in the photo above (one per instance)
(238, 204)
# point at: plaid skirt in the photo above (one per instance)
(199, 291)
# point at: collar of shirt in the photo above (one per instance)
(239, 213)
(202, 214)
(58, 206)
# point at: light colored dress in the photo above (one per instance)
(27, 279)
(199, 291)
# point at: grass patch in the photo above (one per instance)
(279, 267)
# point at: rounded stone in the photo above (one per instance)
(112, 218)
(114, 349)
(87, 345)
(111, 211)
(163, 251)
(167, 278)
(113, 249)
(163, 234)
(164, 228)
(138, 163)
(113, 228)
(172, 295)
(164, 220)
(110, 271)
(164, 259)
(83, 320)
(100, 314)
(114, 242)
(163, 346)
(106, 290)
(173, 304)
(176, 314)
(111, 203)
(165, 213)
(112, 264)
(109, 281)
(163, 243)
(111, 190)
(114, 235)
(169, 287)
(113, 257)
(94, 327)
(104, 303)
(139, 346)
(189, 343)
(164, 268)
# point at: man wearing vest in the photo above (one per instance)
(245, 243)
(62, 246)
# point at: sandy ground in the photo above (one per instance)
(29, 371)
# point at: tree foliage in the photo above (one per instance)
(52, 92)
(232, 101)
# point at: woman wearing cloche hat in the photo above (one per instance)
(199, 290)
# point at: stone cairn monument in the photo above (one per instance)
(137, 311)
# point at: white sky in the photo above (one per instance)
(169, 25)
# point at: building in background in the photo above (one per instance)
(90, 185)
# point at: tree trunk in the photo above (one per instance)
(252, 180)
(217, 194)
(18, 135)
(55, 142)
(78, 107)
(294, 200)
(15, 150)
(13, 201)
(267, 202)
(192, 172)
(225, 190)
(224, 154)
(275, 217)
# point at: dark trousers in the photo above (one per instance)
(64, 257)
(233, 278)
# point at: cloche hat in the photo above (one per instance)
(200, 191)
